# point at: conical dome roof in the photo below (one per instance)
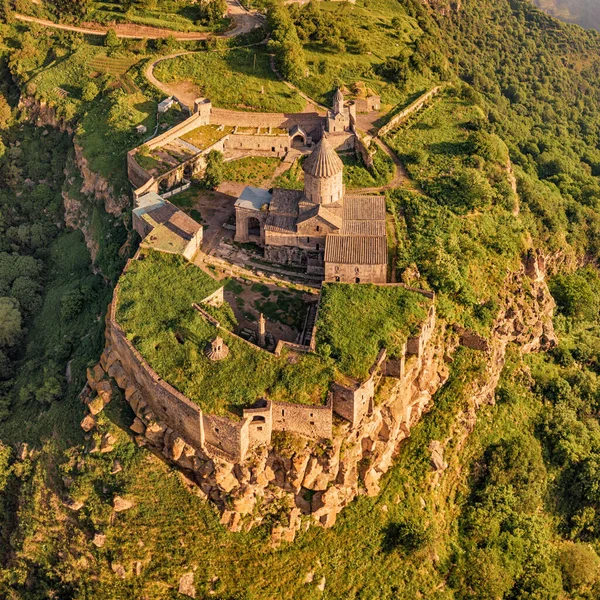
(338, 95)
(323, 161)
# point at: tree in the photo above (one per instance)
(5, 112)
(213, 176)
(10, 321)
(89, 92)
(111, 41)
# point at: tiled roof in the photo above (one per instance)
(323, 161)
(356, 250)
(363, 228)
(280, 224)
(320, 211)
(363, 208)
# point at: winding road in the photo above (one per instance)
(245, 21)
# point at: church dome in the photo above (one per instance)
(323, 161)
(339, 97)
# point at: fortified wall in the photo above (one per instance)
(225, 437)
(340, 450)
(270, 134)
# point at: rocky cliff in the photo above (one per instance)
(295, 482)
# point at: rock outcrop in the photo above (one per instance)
(294, 482)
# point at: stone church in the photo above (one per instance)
(340, 237)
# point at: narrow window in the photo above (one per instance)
(216, 430)
(259, 428)
(317, 246)
(282, 412)
(307, 240)
(357, 280)
(318, 228)
(337, 279)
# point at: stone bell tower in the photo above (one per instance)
(323, 171)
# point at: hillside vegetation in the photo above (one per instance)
(516, 515)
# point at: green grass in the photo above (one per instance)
(155, 309)
(107, 132)
(356, 174)
(356, 321)
(233, 79)
(252, 170)
(205, 136)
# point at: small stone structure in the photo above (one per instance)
(217, 349)
(342, 238)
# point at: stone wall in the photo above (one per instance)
(397, 119)
(314, 422)
(324, 190)
(277, 145)
(312, 123)
(346, 273)
(172, 408)
(231, 437)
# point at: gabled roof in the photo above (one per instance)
(356, 250)
(321, 212)
(323, 161)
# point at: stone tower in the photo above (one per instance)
(262, 331)
(323, 175)
(338, 102)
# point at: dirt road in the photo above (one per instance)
(245, 21)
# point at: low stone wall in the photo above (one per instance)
(397, 120)
(312, 123)
(277, 145)
(361, 148)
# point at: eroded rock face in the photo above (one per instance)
(306, 482)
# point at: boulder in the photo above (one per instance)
(95, 405)
(95, 375)
(107, 443)
(186, 585)
(88, 423)
(99, 540)
(437, 456)
(137, 426)
(226, 480)
(155, 432)
(177, 447)
(119, 570)
(120, 504)
(116, 467)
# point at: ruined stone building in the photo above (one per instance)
(165, 228)
(339, 236)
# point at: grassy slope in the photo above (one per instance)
(373, 20)
(233, 79)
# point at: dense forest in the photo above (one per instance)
(517, 516)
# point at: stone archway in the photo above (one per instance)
(298, 142)
(253, 225)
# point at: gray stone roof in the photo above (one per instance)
(280, 224)
(356, 250)
(320, 211)
(362, 208)
(253, 198)
(285, 202)
(323, 161)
